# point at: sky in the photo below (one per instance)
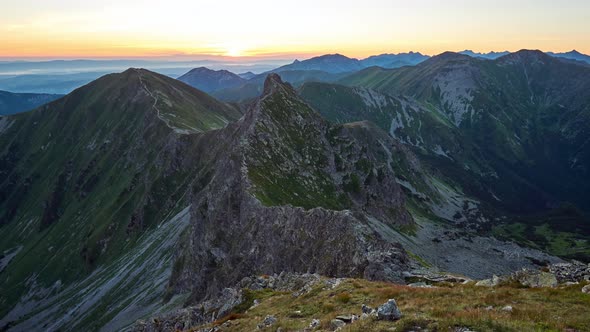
(198, 29)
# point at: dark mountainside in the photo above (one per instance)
(208, 80)
(137, 195)
(496, 128)
(12, 103)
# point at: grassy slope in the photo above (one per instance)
(292, 124)
(437, 309)
(79, 179)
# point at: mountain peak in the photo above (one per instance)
(529, 56)
(447, 57)
(210, 80)
(273, 83)
(331, 63)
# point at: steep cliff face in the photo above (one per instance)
(292, 194)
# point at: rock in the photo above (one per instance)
(535, 279)
(433, 278)
(255, 303)
(489, 308)
(336, 324)
(268, 321)
(333, 283)
(420, 284)
(493, 282)
(315, 323)
(572, 272)
(345, 318)
(365, 309)
(389, 311)
(507, 308)
(586, 289)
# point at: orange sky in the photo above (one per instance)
(260, 28)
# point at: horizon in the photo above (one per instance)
(250, 59)
(236, 31)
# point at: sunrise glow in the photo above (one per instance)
(107, 28)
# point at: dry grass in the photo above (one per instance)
(438, 309)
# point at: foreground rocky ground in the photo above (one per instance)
(556, 298)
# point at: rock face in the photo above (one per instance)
(389, 311)
(285, 198)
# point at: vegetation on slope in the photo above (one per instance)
(447, 307)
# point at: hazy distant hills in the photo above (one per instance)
(572, 55)
(61, 77)
(491, 55)
(11, 103)
(325, 68)
(337, 63)
(394, 60)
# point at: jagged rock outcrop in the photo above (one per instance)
(279, 200)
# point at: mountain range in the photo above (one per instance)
(137, 195)
(499, 127)
(326, 68)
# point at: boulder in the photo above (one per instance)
(336, 324)
(389, 311)
(269, 320)
(345, 318)
(586, 289)
(535, 279)
(492, 282)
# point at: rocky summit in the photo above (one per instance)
(448, 195)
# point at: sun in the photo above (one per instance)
(234, 51)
